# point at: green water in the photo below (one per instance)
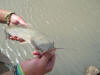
(73, 24)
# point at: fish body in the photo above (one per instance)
(30, 35)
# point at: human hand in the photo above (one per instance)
(14, 37)
(39, 66)
(15, 20)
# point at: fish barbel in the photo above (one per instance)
(30, 35)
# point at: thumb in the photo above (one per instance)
(45, 57)
(22, 22)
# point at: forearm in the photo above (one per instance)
(3, 13)
(7, 73)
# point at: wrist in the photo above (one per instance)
(19, 70)
(5, 16)
(8, 17)
(2, 15)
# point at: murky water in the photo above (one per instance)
(74, 25)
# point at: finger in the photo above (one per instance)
(51, 64)
(37, 54)
(45, 58)
(20, 39)
(22, 22)
(13, 22)
(47, 55)
(14, 19)
(14, 37)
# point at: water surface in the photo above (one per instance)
(74, 25)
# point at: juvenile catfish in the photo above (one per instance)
(30, 35)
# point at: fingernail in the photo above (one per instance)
(36, 53)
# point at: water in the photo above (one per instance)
(74, 25)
